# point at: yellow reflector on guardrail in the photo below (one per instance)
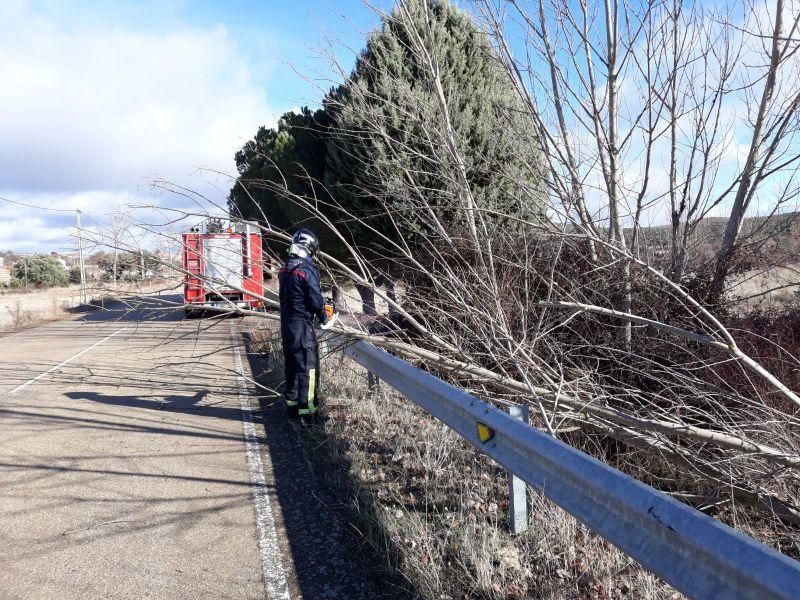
(485, 433)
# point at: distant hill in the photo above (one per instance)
(773, 239)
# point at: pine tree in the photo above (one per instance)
(386, 148)
(288, 158)
(293, 152)
(376, 144)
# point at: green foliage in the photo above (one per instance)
(128, 265)
(393, 91)
(39, 270)
(292, 156)
(74, 275)
(378, 144)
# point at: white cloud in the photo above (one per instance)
(93, 109)
(83, 108)
(30, 230)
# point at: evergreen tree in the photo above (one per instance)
(290, 155)
(377, 144)
(387, 149)
(39, 270)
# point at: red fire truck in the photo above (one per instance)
(224, 266)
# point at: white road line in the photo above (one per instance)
(276, 585)
(58, 366)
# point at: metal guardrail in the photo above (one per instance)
(696, 554)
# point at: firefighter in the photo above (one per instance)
(301, 305)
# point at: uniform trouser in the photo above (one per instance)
(301, 365)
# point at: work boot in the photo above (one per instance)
(307, 414)
(292, 408)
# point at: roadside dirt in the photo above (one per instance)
(23, 309)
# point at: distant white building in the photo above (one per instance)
(61, 260)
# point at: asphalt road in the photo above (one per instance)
(125, 472)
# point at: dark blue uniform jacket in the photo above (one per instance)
(300, 294)
(301, 302)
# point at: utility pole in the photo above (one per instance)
(80, 257)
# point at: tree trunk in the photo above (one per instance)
(367, 300)
(741, 202)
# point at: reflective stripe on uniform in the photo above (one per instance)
(297, 272)
(312, 385)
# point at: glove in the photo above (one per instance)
(327, 317)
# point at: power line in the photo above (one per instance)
(64, 210)
(69, 210)
(79, 237)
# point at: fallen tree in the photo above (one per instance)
(619, 353)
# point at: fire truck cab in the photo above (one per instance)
(223, 266)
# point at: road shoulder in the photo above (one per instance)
(328, 558)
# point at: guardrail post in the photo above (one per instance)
(373, 383)
(518, 490)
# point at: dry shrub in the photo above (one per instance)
(657, 375)
(22, 318)
(772, 338)
(438, 508)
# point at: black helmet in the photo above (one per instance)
(304, 243)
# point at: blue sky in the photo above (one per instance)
(268, 33)
(102, 97)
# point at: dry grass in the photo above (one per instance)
(436, 509)
(444, 506)
(774, 288)
(19, 318)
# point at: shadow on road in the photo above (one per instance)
(38, 418)
(167, 308)
(330, 560)
(175, 404)
(38, 484)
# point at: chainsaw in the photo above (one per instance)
(330, 314)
